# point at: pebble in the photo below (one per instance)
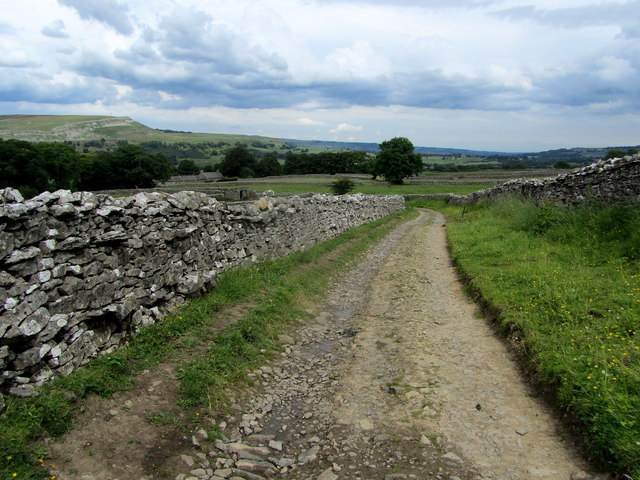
(310, 455)
(275, 445)
(580, 476)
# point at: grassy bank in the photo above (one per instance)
(277, 290)
(564, 284)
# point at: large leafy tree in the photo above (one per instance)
(268, 166)
(35, 167)
(61, 162)
(127, 167)
(188, 167)
(235, 161)
(396, 160)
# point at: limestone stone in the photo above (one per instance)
(310, 455)
(327, 475)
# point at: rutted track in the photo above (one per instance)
(396, 377)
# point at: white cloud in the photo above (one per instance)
(309, 122)
(167, 97)
(615, 69)
(345, 127)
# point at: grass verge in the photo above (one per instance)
(278, 289)
(563, 283)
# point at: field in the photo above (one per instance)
(563, 284)
(458, 160)
(459, 183)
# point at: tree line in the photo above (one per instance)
(395, 161)
(33, 168)
(36, 167)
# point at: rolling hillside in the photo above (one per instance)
(60, 128)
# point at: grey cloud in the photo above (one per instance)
(6, 29)
(427, 4)
(631, 32)
(588, 85)
(19, 62)
(55, 30)
(622, 14)
(193, 36)
(21, 86)
(109, 12)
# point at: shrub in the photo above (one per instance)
(342, 186)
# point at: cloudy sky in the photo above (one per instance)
(508, 75)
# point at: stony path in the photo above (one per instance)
(396, 378)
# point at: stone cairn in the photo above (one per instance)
(80, 272)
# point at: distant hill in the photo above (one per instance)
(373, 148)
(99, 132)
(60, 128)
(574, 154)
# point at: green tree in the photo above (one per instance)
(33, 168)
(562, 164)
(247, 172)
(396, 160)
(235, 161)
(127, 167)
(188, 167)
(615, 153)
(268, 166)
(61, 162)
(20, 169)
(342, 186)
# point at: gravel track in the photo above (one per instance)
(395, 377)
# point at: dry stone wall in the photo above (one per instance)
(79, 271)
(615, 180)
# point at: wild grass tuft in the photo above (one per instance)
(565, 281)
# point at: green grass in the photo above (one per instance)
(461, 160)
(41, 122)
(564, 282)
(277, 288)
(317, 185)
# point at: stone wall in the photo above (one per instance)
(79, 271)
(615, 180)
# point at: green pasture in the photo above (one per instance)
(458, 160)
(42, 122)
(296, 185)
(137, 133)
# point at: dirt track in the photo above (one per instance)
(396, 377)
